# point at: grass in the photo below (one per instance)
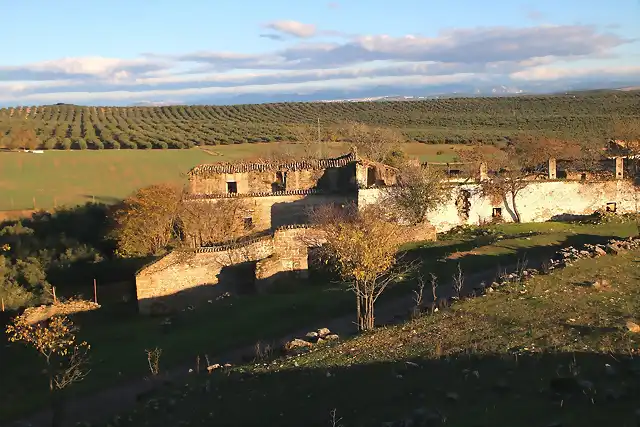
(58, 178)
(555, 353)
(119, 339)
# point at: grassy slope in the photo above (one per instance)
(75, 177)
(487, 362)
(119, 340)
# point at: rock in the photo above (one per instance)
(323, 332)
(599, 251)
(601, 284)
(212, 368)
(296, 344)
(332, 337)
(633, 327)
(614, 249)
(312, 335)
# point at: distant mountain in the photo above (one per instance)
(395, 93)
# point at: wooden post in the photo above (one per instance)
(34, 202)
(53, 289)
(2, 304)
(95, 292)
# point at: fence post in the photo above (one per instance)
(2, 304)
(53, 289)
(95, 292)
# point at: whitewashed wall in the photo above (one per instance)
(538, 202)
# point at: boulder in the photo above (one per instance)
(297, 344)
(323, 332)
(633, 327)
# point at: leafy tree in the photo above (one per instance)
(204, 223)
(419, 190)
(66, 144)
(23, 138)
(362, 247)
(145, 222)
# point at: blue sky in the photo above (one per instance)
(118, 51)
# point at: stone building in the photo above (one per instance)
(279, 196)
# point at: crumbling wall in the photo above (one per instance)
(192, 271)
(539, 201)
(285, 209)
(190, 277)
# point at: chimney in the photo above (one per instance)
(483, 172)
(619, 168)
(552, 168)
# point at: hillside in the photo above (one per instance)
(435, 121)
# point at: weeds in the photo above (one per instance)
(153, 358)
(458, 282)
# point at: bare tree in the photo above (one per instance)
(367, 268)
(419, 190)
(458, 282)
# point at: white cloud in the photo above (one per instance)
(293, 28)
(502, 54)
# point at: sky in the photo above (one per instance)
(122, 52)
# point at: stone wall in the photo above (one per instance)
(193, 273)
(192, 276)
(539, 201)
(266, 177)
(279, 210)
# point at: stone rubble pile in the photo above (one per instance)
(311, 338)
(61, 308)
(565, 257)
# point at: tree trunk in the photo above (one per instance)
(359, 312)
(515, 208)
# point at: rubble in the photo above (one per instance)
(565, 257)
(60, 308)
(312, 338)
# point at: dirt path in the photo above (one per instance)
(99, 407)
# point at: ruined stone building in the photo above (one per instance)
(279, 195)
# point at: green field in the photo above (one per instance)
(60, 177)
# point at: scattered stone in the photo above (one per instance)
(331, 337)
(601, 284)
(296, 344)
(599, 251)
(312, 335)
(633, 327)
(213, 367)
(323, 332)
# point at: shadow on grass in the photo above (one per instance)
(569, 389)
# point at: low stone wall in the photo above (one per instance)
(185, 277)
